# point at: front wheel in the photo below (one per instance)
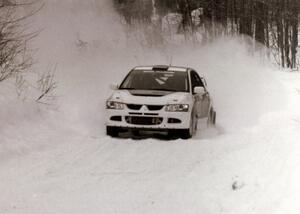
(112, 131)
(188, 133)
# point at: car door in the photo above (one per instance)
(203, 100)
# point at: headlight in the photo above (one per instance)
(114, 105)
(177, 107)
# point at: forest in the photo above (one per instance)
(273, 24)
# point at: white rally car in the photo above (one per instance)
(159, 98)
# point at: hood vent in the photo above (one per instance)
(148, 95)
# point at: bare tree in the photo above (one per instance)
(15, 55)
(46, 85)
(270, 23)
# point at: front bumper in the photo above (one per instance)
(146, 119)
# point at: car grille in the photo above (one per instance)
(143, 120)
(154, 107)
(134, 106)
(150, 107)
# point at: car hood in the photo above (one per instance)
(149, 97)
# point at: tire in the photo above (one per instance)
(196, 125)
(185, 134)
(188, 133)
(214, 118)
(211, 117)
(112, 131)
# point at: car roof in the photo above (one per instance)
(162, 68)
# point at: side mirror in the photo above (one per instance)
(114, 86)
(199, 90)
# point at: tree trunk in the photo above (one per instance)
(259, 22)
(294, 39)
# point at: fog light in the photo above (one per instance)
(174, 120)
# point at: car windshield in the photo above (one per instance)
(156, 80)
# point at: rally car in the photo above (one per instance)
(159, 98)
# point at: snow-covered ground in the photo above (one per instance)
(58, 159)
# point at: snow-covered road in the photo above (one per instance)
(84, 174)
(60, 161)
(76, 172)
